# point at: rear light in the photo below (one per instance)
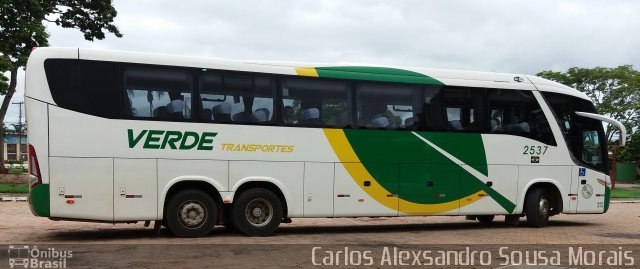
(35, 178)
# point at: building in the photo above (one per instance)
(11, 148)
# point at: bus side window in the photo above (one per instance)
(262, 100)
(517, 112)
(433, 115)
(217, 105)
(315, 103)
(388, 106)
(90, 87)
(463, 109)
(158, 93)
(235, 98)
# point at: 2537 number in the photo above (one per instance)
(535, 150)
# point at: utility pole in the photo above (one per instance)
(19, 131)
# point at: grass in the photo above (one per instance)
(14, 188)
(627, 182)
(633, 192)
(17, 170)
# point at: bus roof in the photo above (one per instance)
(343, 70)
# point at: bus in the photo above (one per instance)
(191, 143)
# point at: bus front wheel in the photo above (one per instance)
(191, 213)
(537, 208)
(256, 212)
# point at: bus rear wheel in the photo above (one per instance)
(191, 213)
(256, 212)
(537, 208)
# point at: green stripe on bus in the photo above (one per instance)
(420, 163)
(468, 148)
(376, 74)
(39, 200)
(607, 198)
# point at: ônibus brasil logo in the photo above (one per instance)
(158, 139)
(32, 257)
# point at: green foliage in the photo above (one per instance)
(631, 152)
(4, 129)
(18, 170)
(633, 192)
(4, 84)
(22, 27)
(616, 94)
(5, 64)
(14, 188)
(22, 23)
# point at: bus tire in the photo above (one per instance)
(485, 219)
(256, 212)
(191, 213)
(537, 208)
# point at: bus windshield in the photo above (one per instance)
(585, 137)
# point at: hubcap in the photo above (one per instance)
(192, 214)
(259, 212)
(543, 207)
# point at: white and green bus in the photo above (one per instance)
(192, 143)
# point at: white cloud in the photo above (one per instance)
(507, 36)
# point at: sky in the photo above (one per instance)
(483, 35)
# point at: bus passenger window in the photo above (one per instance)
(263, 90)
(433, 113)
(216, 104)
(388, 106)
(463, 109)
(158, 93)
(315, 103)
(231, 98)
(517, 112)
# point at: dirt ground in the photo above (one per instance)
(620, 226)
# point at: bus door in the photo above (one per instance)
(589, 177)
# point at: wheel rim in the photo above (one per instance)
(543, 208)
(192, 214)
(259, 212)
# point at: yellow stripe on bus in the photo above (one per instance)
(359, 174)
(306, 71)
(415, 208)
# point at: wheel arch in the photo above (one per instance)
(552, 187)
(267, 183)
(206, 184)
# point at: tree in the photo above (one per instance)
(614, 91)
(631, 152)
(4, 130)
(22, 29)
